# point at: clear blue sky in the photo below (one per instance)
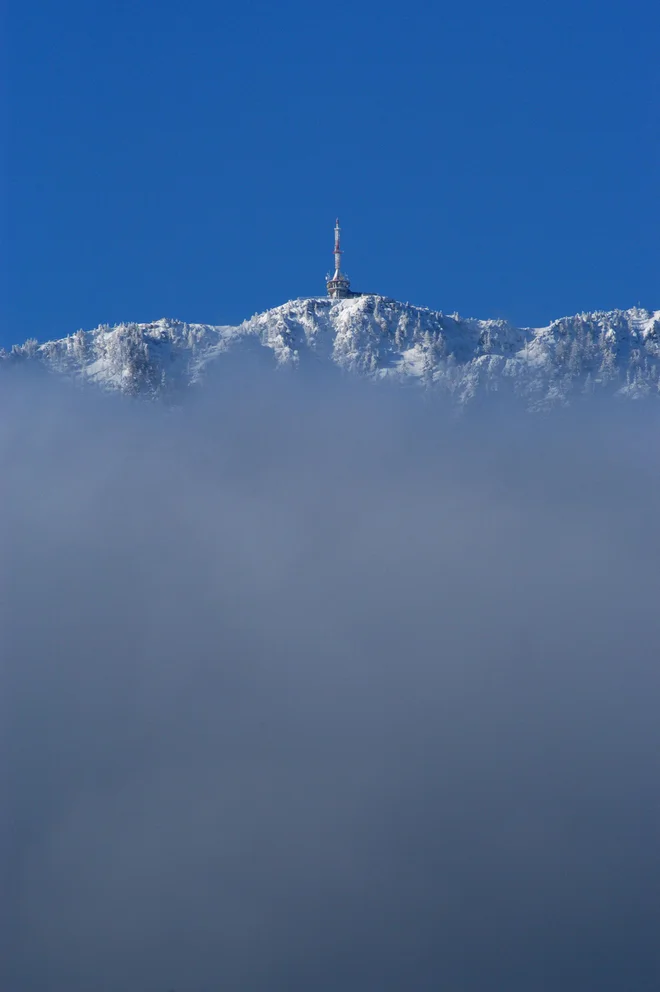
(189, 159)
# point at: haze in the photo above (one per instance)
(311, 686)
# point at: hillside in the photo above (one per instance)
(379, 338)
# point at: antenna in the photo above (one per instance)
(339, 287)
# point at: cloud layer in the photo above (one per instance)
(311, 686)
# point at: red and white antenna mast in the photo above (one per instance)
(338, 252)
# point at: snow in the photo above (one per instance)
(379, 338)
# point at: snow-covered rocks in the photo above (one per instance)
(380, 338)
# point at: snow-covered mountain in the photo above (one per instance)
(380, 338)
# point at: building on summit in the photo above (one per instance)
(339, 285)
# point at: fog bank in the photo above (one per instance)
(311, 686)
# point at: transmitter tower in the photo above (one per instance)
(339, 286)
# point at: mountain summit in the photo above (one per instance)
(380, 338)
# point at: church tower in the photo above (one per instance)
(339, 287)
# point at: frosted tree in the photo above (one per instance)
(608, 372)
(575, 359)
(430, 358)
(80, 347)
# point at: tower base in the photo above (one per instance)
(340, 289)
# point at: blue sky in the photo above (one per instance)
(189, 159)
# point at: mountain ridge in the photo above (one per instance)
(380, 338)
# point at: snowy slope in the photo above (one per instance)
(379, 338)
